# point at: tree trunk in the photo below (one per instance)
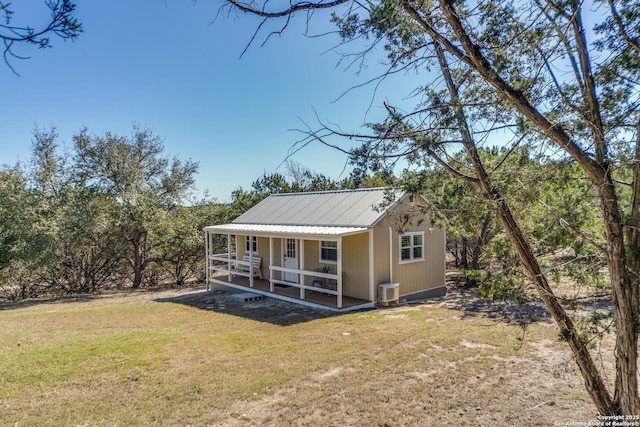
(465, 253)
(624, 291)
(138, 263)
(456, 254)
(633, 240)
(137, 277)
(593, 381)
(633, 229)
(480, 242)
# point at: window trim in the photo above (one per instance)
(327, 261)
(411, 247)
(254, 248)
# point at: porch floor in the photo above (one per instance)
(291, 292)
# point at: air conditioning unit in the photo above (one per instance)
(388, 292)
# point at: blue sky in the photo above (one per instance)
(162, 64)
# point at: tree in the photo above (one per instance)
(61, 23)
(528, 68)
(182, 250)
(63, 234)
(302, 179)
(470, 222)
(142, 186)
(19, 251)
(90, 220)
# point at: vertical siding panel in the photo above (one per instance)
(263, 251)
(381, 254)
(424, 275)
(312, 260)
(412, 277)
(356, 265)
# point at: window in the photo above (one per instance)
(251, 244)
(412, 247)
(329, 251)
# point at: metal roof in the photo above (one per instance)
(344, 208)
(297, 230)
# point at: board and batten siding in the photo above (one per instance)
(415, 278)
(263, 251)
(312, 255)
(355, 265)
(380, 255)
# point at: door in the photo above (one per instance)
(291, 259)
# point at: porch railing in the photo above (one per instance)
(224, 263)
(227, 263)
(228, 259)
(300, 284)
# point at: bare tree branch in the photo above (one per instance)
(296, 7)
(62, 24)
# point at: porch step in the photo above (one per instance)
(247, 297)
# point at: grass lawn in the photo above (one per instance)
(143, 358)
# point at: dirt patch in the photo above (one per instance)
(538, 387)
(459, 298)
(443, 376)
(267, 309)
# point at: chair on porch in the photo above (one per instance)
(331, 284)
(317, 280)
(256, 263)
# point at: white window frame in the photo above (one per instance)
(328, 261)
(412, 246)
(247, 245)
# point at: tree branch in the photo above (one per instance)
(296, 7)
(61, 24)
(633, 42)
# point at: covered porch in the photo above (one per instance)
(315, 297)
(299, 264)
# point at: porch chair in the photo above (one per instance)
(256, 263)
(317, 280)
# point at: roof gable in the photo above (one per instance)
(344, 208)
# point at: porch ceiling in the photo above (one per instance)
(282, 230)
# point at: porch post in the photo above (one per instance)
(339, 272)
(371, 268)
(251, 260)
(206, 256)
(270, 263)
(229, 278)
(444, 271)
(301, 276)
(390, 255)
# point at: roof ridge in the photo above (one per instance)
(347, 190)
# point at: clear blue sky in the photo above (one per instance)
(161, 64)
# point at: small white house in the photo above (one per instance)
(341, 250)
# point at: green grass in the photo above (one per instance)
(133, 361)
